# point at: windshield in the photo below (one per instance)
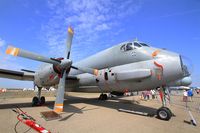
(137, 44)
(129, 46)
(143, 44)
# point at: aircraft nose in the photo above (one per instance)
(186, 66)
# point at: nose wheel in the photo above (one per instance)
(164, 113)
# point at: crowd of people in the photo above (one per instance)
(146, 95)
(151, 94)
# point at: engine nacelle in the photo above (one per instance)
(46, 76)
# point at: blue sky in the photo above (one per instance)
(40, 26)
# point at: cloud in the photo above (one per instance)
(95, 22)
(2, 42)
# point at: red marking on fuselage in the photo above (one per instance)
(159, 76)
(158, 65)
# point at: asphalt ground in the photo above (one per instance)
(83, 113)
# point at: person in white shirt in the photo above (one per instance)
(185, 95)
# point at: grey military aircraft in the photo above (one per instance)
(131, 65)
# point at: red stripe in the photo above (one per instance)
(158, 65)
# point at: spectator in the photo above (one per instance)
(197, 90)
(153, 93)
(190, 94)
(185, 95)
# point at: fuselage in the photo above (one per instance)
(129, 58)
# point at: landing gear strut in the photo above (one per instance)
(38, 100)
(103, 97)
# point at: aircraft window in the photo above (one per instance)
(129, 46)
(123, 47)
(137, 44)
(143, 44)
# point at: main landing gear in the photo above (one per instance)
(38, 100)
(103, 97)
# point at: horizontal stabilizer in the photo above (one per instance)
(133, 74)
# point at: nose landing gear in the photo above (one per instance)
(164, 113)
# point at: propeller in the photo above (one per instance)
(63, 66)
(58, 107)
(30, 55)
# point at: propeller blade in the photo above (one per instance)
(58, 107)
(69, 41)
(30, 55)
(87, 70)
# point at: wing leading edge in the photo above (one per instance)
(17, 75)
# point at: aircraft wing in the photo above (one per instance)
(18, 75)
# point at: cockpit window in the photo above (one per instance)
(137, 44)
(122, 47)
(143, 44)
(129, 46)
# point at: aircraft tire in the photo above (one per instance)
(42, 100)
(169, 111)
(35, 101)
(101, 97)
(164, 113)
(105, 97)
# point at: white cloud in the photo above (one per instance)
(2, 42)
(93, 22)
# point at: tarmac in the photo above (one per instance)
(83, 113)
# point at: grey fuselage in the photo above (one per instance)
(120, 68)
